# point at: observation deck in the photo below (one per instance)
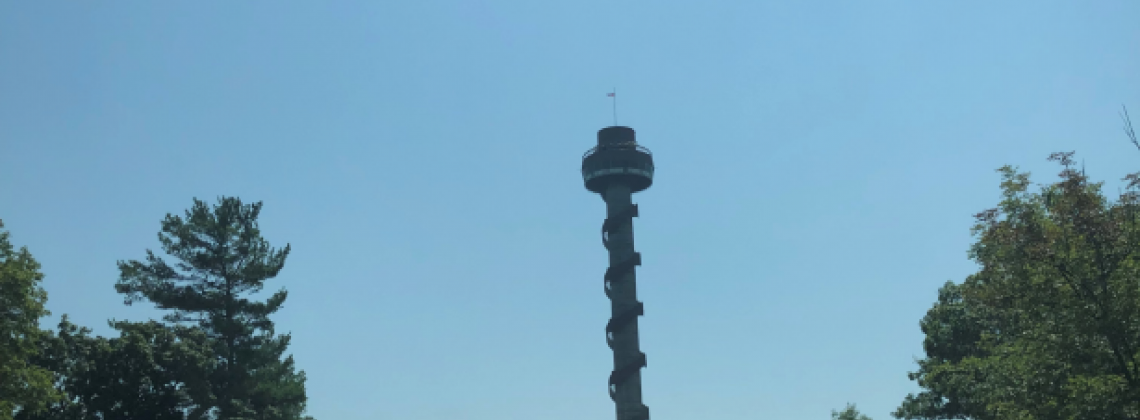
(617, 159)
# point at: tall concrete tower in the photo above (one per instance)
(617, 168)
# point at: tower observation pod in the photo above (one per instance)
(615, 169)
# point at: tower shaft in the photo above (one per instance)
(616, 169)
(621, 287)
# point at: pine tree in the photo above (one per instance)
(222, 261)
(22, 384)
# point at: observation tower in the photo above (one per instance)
(615, 169)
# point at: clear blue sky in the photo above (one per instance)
(819, 164)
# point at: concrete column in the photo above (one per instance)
(623, 297)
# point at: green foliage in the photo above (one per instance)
(1049, 327)
(23, 385)
(222, 260)
(151, 371)
(849, 413)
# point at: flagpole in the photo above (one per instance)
(615, 105)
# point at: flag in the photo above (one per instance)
(611, 94)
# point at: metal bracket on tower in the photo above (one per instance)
(611, 223)
(621, 374)
(620, 321)
(614, 273)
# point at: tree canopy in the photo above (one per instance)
(222, 260)
(23, 385)
(151, 371)
(848, 413)
(1049, 327)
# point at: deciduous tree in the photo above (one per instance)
(151, 371)
(1049, 327)
(848, 413)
